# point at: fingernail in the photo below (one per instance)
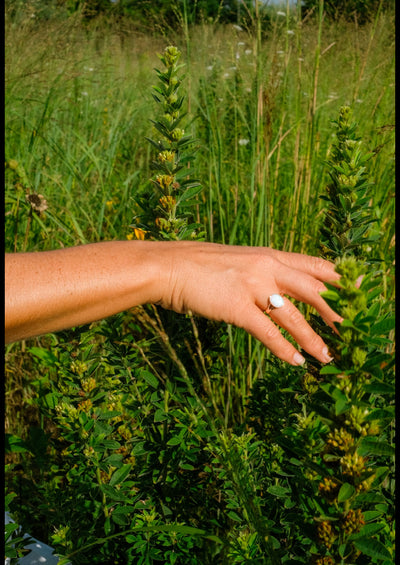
(325, 355)
(298, 359)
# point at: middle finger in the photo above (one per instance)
(306, 288)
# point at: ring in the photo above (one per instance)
(274, 301)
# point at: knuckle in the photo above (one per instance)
(315, 342)
(317, 286)
(271, 332)
(320, 267)
(295, 316)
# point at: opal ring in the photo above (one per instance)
(274, 301)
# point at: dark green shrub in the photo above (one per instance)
(360, 10)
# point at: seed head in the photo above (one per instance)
(326, 533)
(353, 521)
(340, 439)
(171, 55)
(328, 488)
(37, 202)
(352, 464)
(165, 181)
(168, 202)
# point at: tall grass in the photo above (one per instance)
(261, 100)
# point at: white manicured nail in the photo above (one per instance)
(298, 359)
(327, 357)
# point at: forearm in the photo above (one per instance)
(54, 290)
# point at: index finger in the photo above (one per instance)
(317, 267)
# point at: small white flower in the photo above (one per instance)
(226, 75)
(232, 68)
(359, 101)
(238, 28)
(290, 32)
(84, 93)
(240, 43)
(280, 52)
(248, 52)
(244, 141)
(248, 89)
(210, 67)
(280, 14)
(300, 59)
(237, 55)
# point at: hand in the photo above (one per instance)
(233, 284)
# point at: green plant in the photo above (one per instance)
(14, 542)
(194, 445)
(165, 208)
(359, 10)
(351, 401)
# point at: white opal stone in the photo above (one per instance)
(276, 300)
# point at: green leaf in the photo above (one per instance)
(139, 449)
(373, 548)
(114, 460)
(111, 444)
(106, 415)
(120, 474)
(277, 490)
(177, 440)
(14, 444)
(346, 491)
(149, 378)
(233, 516)
(341, 405)
(190, 192)
(119, 519)
(114, 494)
(43, 354)
(10, 528)
(51, 400)
(380, 475)
(160, 415)
(383, 327)
(380, 414)
(369, 530)
(330, 295)
(186, 466)
(330, 370)
(372, 514)
(374, 446)
(379, 388)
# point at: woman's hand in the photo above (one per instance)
(54, 290)
(234, 284)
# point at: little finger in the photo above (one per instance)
(255, 322)
(290, 318)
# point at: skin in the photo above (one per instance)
(53, 290)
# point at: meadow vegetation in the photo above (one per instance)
(157, 438)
